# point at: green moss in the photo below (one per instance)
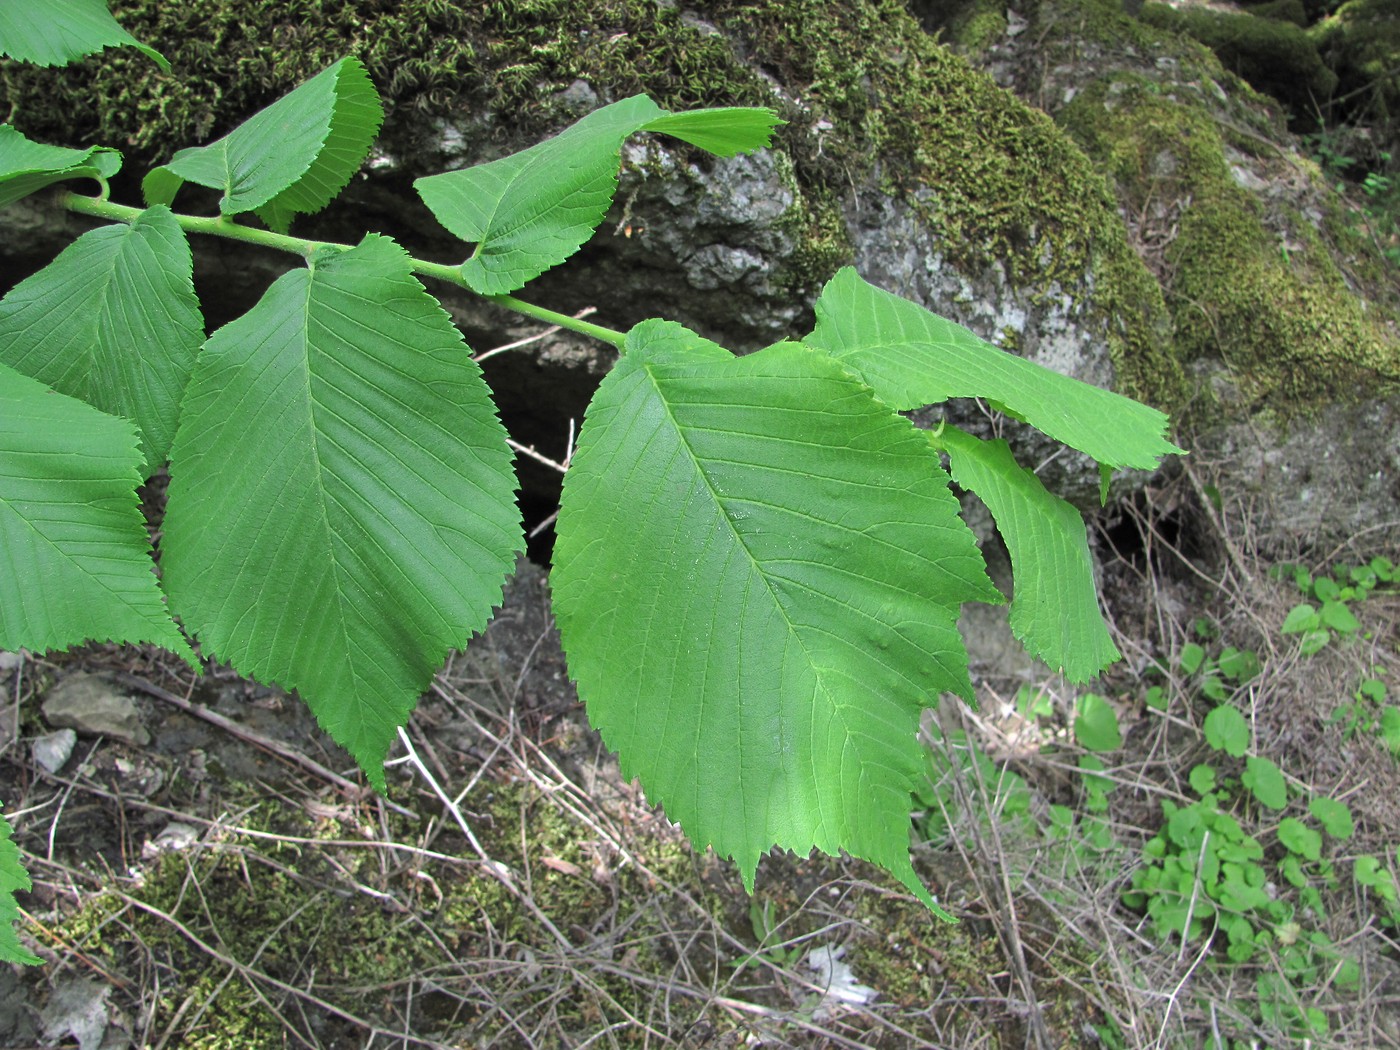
(1277, 57)
(1272, 305)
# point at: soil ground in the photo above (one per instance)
(232, 884)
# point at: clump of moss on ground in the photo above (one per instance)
(1275, 308)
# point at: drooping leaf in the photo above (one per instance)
(13, 878)
(1054, 609)
(292, 157)
(27, 166)
(77, 556)
(113, 321)
(912, 358)
(757, 575)
(56, 32)
(341, 509)
(534, 209)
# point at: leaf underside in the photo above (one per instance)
(532, 210)
(912, 358)
(341, 509)
(76, 555)
(56, 32)
(1055, 609)
(292, 157)
(27, 166)
(113, 321)
(758, 573)
(13, 878)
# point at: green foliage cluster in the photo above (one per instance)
(759, 566)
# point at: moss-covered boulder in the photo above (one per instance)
(1275, 56)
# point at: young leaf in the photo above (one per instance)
(113, 321)
(27, 167)
(1055, 608)
(56, 32)
(13, 878)
(77, 556)
(912, 358)
(1334, 816)
(292, 157)
(532, 210)
(757, 578)
(1096, 724)
(1264, 779)
(1298, 838)
(341, 508)
(1226, 730)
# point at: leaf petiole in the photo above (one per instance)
(223, 226)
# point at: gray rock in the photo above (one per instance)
(53, 750)
(77, 1008)
(91, 704)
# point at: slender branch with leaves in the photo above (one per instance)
(759, 563)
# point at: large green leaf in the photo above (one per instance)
(76, 555)
(534, 209)
(758, 573)
(13, 878)
(341, 509)
(1055, 609)
(27, 166)
(56, 32)
(115, 322)
(912, 358)
(292, 157)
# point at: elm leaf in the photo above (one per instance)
(532, 210)
(57, 32)
(757, 579)
(113, 321)
(13, 878)
(77, 554)
(341, 509)
(27, 166)
(912, 358)
(292, 157)
(1055, 609)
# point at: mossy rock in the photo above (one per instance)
(1282, 11)
(1361, 42)
(971, 26)
(1266, 298)
(1276, 57)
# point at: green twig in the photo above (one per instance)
(223, 226)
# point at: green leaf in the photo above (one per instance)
(341, 508)
(13, 878)
(1390, 728)
(27, 167)
(1302, 617)
(1263, 778)
(57, 32)
(1202, 779)
(1368, 870)
(1055, 609)
(757, 578)
(113, 321)
(1226, 730)
(1192, 657)
(1096, 724)
(1339, 617)
(1334, 816)
(292, 157)
(912, 358)
(77, 555)
(532, 210)
(1298, 838)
